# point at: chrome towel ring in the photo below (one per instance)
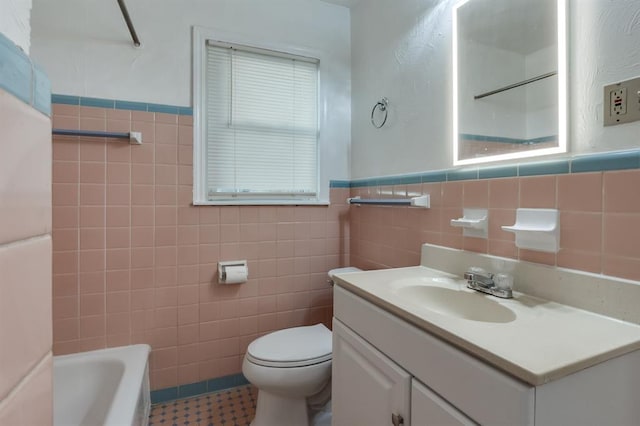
(382, 106)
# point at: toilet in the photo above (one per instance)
(292, 370)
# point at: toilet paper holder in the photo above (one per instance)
(233, 272)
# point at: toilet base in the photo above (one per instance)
(273, 410)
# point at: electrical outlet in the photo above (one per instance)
(622, 102)
(618, 99)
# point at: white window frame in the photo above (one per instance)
(200, 196)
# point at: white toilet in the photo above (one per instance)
(292, 370)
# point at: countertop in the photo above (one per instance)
(545, 341)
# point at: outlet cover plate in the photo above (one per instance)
(622, 102)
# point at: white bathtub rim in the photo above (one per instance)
(135, 359)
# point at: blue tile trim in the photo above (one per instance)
(462, 174)
(434, 177)
(339, 184)
(185, 391)
(618, 160)
(546, 168)
(65, 99)
(164, 395)
(606, 161)
(198, 388)
(97, 102)
(498, 172)
(22, 78)
(117, 104)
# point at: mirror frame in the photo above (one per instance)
(562, 94)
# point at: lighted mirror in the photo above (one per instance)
(510, 73)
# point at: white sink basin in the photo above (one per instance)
(458, 302)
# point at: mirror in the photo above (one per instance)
(509, 88)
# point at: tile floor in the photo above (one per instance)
(230, 407)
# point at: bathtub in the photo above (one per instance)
(105, 387)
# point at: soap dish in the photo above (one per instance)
(537, 229)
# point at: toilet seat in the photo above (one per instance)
(292, 347)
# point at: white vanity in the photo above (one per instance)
(414, 346)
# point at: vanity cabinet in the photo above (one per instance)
(370, 389)
(384, 365)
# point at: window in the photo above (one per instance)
(257, 113)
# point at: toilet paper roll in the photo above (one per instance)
(234, 275)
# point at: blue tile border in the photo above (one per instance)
(597, 162)
(118, 104)
(339, 184)
(198, 388)
(22, 78)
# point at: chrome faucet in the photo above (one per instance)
(481, 280)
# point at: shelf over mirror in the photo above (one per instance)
(510, 74)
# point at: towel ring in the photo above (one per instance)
(382, 106)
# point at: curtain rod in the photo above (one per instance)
(127, 19)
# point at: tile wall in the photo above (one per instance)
(135, 262)
(600, 216)
(25, 262)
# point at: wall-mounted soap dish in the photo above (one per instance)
(537, 229)
(474, 223)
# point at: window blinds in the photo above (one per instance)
(261, 123)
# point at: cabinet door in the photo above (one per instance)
(368, 388)
(428, 409)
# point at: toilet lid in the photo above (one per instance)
(292, 347)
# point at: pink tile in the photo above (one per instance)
(93, 112)
(65, 239)
(142, 116)
(185, 135)
(166, 216)
(618, 187)
(581, 231)
(65, 149)
(65, 262)
(123, 126)
(92, 326)
(476, 194)
(504, 193)
(92, 172)
(188, 215)
(92, 238)
(537, 257)
(209, 215)
(118, 280)
(65, 307)
(499, 218)
(118, 237)
(118, 173)
(185, 155)
(166, 118)
(166, 276)
(166, 174)
(118, 195)
(165, 195)
(118, 258)
(503, 248)
(142, 278)
(91, 260)
(452, 194)
(165, 256)
(92, 216)
(580, 260)
(118, 114)
(92, 304)
(118, 216)
(65, 217)
(165, 236)
(142, 216)
(623, 267)
(580, 192)
(188, 255)
(142, 195)
(143, 154)
(166, 133)
(538, 192)
(118, 323)
(621, 233)
(64, 194)
(118, 151)
(65, 172)
(32, 402)
(92, 194)
(142, 236)
(166, 154)
(93, 124)
(91, 282)
(166, 317)
(25, 299)
(92, 150)
(62, 109)
(141, 257)
(65, 285)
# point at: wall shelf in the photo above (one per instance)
(537, 229)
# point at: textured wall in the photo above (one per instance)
(402, 50)
(15, 22)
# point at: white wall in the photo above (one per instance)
(402, 50)
(85, 48)
(14, 22)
